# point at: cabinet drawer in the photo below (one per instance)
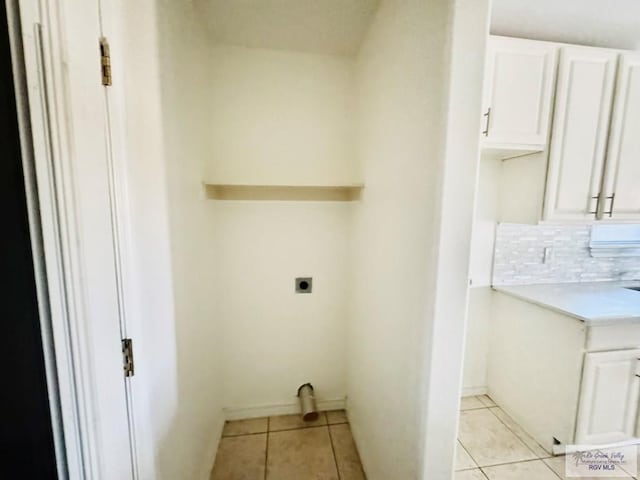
(613, 337)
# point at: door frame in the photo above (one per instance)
(41, 40)
(36, 236)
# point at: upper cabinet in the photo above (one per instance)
(579, 107)
(622, 180)
(594, 160)
(584, 94)
(519, 85)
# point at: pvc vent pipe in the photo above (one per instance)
(307, 403)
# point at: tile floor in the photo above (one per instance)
(286, 448)
(492, 446)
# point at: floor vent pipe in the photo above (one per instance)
(307, 403)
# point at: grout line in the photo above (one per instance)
(510, 463)
(477, 408)
(552, 470)
(244, 434)
(513, 463)
(467, 451)
(517, 435)
(299, 428)
(333, 450)
(266, 450)
(506, 463)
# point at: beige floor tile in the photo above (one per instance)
(536, 470)
(240, 458)
(520, 433)
(290, 422)
(244, 427)
(557, 464)
(469, 403)
(486, 401)
(301, 454)
(463, 459)
(489, 441)
(337, 416)
(475, 474)
(347, 457)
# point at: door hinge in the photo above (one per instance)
(105, 61)
(127, 357)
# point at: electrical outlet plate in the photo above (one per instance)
(304, 284)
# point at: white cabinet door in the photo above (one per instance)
(581, 123)
(622, 178)
(518, 89)
(73, 163)
(609, 397)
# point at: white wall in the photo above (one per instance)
(274, 340)
(184, 51)
(280, 118)
(599, 23)
(474, 380)
(155, 383)
(402, 87)
(521, 188)
(177, 379)
(374, 301)
(508, 191)
(485, 221)
(333, 27)
(479, 315)
(457, 192)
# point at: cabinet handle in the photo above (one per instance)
(485, 132)
(597, 198)
(613, 199)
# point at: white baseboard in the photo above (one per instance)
(473, 391)
(210, 457)
(240, 413)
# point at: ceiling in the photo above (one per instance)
(316, 26)
(605, 23)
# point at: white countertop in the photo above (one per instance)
(593, 303)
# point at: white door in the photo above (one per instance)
(609, 397)
(622, 180)
(519, 85)
(72, 157)
(584, 97)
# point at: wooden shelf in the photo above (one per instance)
(304, 193)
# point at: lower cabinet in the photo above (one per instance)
(608, 407)
(564, 381)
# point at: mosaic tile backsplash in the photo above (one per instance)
(520, 251)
